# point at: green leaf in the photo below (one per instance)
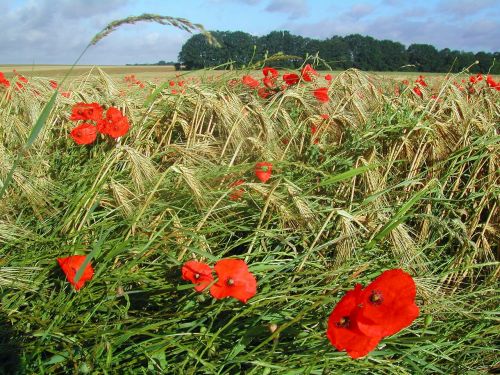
(347, 175)
(150, 99)
(40, 122)
(399, 217)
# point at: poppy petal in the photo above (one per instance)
(388, 304)
(343, 331)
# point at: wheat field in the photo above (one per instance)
(387, 179)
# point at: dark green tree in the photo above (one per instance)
(236, 47)
(362, 52)
(424, 56)
(394, 56)
(286, 43)
(365, 52)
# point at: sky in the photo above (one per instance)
(57, 31)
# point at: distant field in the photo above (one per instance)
(58, 71)
(145, 72)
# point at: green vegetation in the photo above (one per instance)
(240, 49)
(393, 181)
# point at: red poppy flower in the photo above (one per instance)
(115, 124)
(198, 273)
(270, 71)
(325, 116)
(269, 82)
(53, 84)
(234, 280)
(84, 134)
(4, 81)
(328, 77)
(264, 93)
(236, 193)
(406, 82)
(291, 79)
(307, 73)
(417, 91)
(491, 83)
(66, 94)
(343, 331)
(250, 82)
(86, 111)
(388, 304)
(70, 266)
(263, 171)
(322, 94)
(420, 81)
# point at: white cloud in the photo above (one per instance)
(294, 8)
(412, 25)
(361, 10)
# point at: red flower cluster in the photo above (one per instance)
(233, 278)
(420, 82)
(114, 123)
(491, 83)
(269, 81)
(20, 78)
(4, 81)
(271, 86)
(177, 91)
(132, 80)
(364, 316)
(70, 266)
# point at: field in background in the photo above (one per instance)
(152, 72)
(58, 71)
(378, 177)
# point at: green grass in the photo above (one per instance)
(394, 181)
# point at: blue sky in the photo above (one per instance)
(55, 31)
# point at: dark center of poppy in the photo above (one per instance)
(230, 282)
(344, 322)
(196, 276)
(376, 297)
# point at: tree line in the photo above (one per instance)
(239, 49)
